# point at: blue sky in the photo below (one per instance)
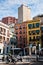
(10, 7)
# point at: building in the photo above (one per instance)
(39, 17)
(10, 21)
(23, 14)
(20, 31)
(4, 36)
(33, 33)
(41, 28)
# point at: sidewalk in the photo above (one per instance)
(2, 61)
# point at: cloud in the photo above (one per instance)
(10, 7)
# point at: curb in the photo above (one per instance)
(2, 62)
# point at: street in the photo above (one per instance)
(33, 63)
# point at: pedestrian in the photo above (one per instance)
(12, 60)
(3, 58)
(7, 59)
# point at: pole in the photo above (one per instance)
(24, 51)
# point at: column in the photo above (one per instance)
(29, 51)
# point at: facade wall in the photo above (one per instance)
(20, 31)
(9, 20)
(41, 28)
(4, 35)
(39, 17)
(23, 14)
(34, 32)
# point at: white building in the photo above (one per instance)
(23, 14)
(4, 36)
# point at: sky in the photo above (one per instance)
(10, 7)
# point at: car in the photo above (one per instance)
(41, 52)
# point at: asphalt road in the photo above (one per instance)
(37, 63)
(34, 63)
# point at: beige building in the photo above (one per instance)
(39, 17)
(23, 13)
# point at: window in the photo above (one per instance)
(7, 50)
(37, 24)
(0, 39)
(1, 30)
(24, 40)
(3, 38)
(34, 38)
(0, 50)
(20, 27)
(33, 25)
(38, 38)
(16, 32)
(20, 38)
(7, 39)
(24, 32)
(4, 31)
(41, 29)
(20, 32)
(37, 31)
(33, 32)
(16, 28)
(29, 26)
(29, 38)
(29, 32)
(23, 27)
(8, 33)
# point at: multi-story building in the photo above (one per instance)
(41, 28)
(4, 36)
(21, 33)
(41, 24)
(39, 17)
(11, 21)
(23, 14)
(33, 32)
(28, 34)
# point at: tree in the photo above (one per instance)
(13, 40)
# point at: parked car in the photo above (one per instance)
(41, 52)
